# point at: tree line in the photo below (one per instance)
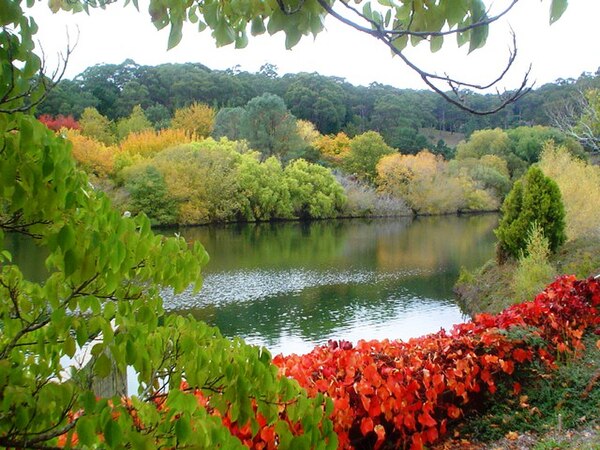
(331, 103)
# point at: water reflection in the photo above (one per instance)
(291, 286)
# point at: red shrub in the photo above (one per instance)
(404, 393)
(58, 122)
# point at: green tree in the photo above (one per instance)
(365, 152)
(528, 142)
(270, 128)
(533, 199)
(137, 121)
(149, 195)
(95, 125)
(314, 191)
(228, 123)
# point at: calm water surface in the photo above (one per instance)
(291, 286)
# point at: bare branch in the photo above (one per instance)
(455, 94)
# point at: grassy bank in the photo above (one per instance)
(491, 287)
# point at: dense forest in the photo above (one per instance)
(330, 103)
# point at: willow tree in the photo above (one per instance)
(106, 272)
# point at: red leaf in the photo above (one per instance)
(366, 426)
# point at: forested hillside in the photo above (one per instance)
(330, 103)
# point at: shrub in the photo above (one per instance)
(92, 155)
(149, 194)
(535, 198)
(579, 184)
(365, 201)
(314, 191)
(533, 271)
(58, 122)
(396, 394)
(149, 142)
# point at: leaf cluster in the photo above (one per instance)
(407, 393)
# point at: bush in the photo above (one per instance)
(314, 191)
(533, 271)
(579, 184)
(365, 201)
(535, 198)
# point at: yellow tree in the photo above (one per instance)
(197, 119)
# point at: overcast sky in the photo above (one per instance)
(563, 50)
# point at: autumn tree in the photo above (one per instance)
(197, 119)
(579, 184)
(136, 122)
(334, 149)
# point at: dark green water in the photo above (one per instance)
(291, 286)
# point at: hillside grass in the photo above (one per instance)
(490, 288)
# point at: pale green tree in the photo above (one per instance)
(96, 126)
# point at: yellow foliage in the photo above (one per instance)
(424, 181)
(198, 119)
(334, 149)
(579, 184)
(149, 142)
(92, 155)
(307, 132)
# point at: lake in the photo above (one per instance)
(290, 286)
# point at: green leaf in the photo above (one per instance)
(557, 8)
(103, 366)
(66, 237)
(183, 430)
(258, 26)
(86, 430)
(436, 43)
(70, 262)
(175, 34)
(113, 433)
(69, 346)
(292, 37)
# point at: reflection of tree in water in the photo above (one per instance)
(437, 242)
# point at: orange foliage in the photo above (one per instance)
(92, 155)
(334, 149)
(404, 394)
(149, 142)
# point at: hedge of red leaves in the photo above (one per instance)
(404, 394)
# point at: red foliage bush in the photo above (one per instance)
(58, 122)
(404, 393)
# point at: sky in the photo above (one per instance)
(562, 50)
